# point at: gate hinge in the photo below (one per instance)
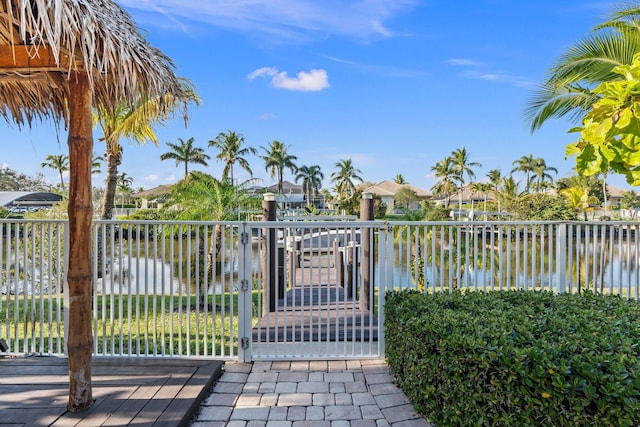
(244, 237)
(244, 343)
(244, 285)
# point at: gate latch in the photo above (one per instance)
(244, 343)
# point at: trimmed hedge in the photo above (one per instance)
(516, 358)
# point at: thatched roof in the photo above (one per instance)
(42, 42)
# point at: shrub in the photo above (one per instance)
(517, 357)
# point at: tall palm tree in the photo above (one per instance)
(526, 165)
(495, 176)
(231, 151)
(311, 177)
(567, 89)
(135, 124)
(184, 152)
(445, 174)
(59, 162)
(463, 166)
(541, 176)
(344, 179)
(124, 184)
(277, 159)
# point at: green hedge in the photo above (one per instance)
(516, 358)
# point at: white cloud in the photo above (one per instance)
(500, 78)
(476, 71)
(151, 178)
(264, 71)
(383, 70)
(463, 62)
(311, 81)
(268, 116)
(314, 80)
(291, 20)
(170, 179)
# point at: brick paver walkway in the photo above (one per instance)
(357, 393)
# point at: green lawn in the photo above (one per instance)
(127, 324)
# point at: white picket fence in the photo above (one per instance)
(201, 289)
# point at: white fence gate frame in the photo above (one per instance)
(320, 311)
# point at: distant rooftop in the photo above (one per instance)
(28, 198)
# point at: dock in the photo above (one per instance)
(317, 305)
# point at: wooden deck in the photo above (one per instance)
(317, 308)
(127, 391)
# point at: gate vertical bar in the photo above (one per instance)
(386, 260)
(66, 287)
(244, 301)
(561, 259)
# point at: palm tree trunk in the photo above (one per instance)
(110, 184)
(604, 193)
(61, 181)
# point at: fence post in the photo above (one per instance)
(269, 264)
(561, 258)
(366, 214)
(244, 301)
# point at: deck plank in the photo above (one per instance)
(127, 391)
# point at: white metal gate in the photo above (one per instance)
(316, 289)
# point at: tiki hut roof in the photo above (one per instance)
(42, 42)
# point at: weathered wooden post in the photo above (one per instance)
(269, 261)
(366, 214)
(79, 268)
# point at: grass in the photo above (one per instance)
(130, 325)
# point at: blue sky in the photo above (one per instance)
(393, 85)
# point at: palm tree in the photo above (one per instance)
(135, 124)
(483, 188)
(231, 151)
(276, 159)
(578, 199)
(186, 153)
(399, 179)
(462, 165)
(567, 89)
(541, 176)
(96, 164)
(124, 184)
(311, 177)
(59, 162)
(508, 191)
(495, 176)
(525, 164)
(445, 175)
(344, 179)
(201, 197)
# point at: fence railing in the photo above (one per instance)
(187, 289)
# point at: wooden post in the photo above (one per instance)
(366, 214)
(270, 260)
(79, 268)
